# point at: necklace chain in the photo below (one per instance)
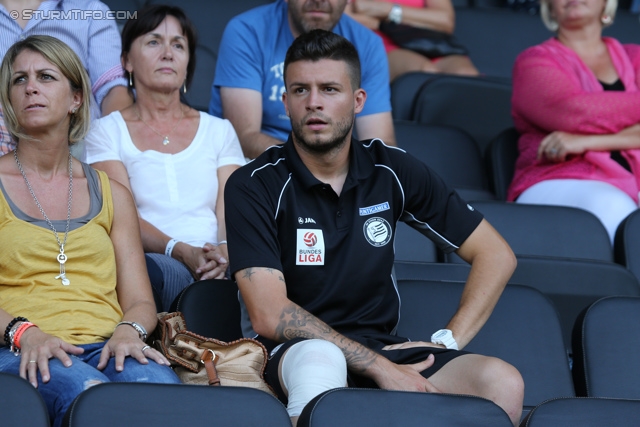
(165, 140)
(62, 258)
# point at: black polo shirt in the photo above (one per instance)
(337, 252)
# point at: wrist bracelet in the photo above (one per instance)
(138, 327)
(7, 339)
(15, 342)
(222, 242)
(170, 244)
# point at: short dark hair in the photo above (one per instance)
(147, 19)
(320, 44)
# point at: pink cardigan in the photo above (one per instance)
(553, 90)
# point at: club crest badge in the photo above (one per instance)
(377, 231)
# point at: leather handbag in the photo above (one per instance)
(430, 43)
(207, 361)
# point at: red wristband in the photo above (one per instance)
(23, 327)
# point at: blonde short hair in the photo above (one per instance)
(61, 55)
(610, 8)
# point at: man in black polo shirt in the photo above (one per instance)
(310, 226)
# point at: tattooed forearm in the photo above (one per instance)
(248, 272)
(295, 322)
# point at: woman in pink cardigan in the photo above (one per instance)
(576, 105)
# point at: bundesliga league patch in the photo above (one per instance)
(310, 247)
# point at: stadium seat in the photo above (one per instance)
(501, 157)
(548, 231)
(411, 245)
(21, 404)
(573, 285)
(481, 106)
(626, 245)
(351, 407)
(451, 153)
(404, 90)
(211, 309)
(606, 343)
(580, 412)
(145, 404)
(523, 330)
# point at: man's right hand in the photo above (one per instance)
(392, 376)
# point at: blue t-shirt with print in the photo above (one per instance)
(251, 56)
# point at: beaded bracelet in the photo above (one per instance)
(7, 339)
(15, 343)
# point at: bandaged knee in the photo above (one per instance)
(310, 368)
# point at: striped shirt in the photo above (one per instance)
(96, 41)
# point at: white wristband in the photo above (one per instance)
(222, 242)
(170, 244)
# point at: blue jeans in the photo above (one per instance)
(67, 383)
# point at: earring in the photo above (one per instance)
(131, 79)
(74, 110)
(606, 19)
(184, 87)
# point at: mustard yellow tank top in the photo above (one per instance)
(84, 312)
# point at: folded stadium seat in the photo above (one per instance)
(549, 231)
(572, 285)
(481, 106)
(145, 404)
(411, 245)
(584, 412)
(626, 246)
(21, 404)
(352, 407)
(606, 343)
(523, 330)
(500, 158)
(211, 309)
(404, 90)
(450, 152)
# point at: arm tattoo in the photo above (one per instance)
(295, 322)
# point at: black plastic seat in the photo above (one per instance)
(626, 244)
(451, 153)
(211, 308)
(547, 231)
(501, 157)
(582, 412)
(481, 106)
(21, 404)
(351, 407)
(145, 404)
(523, 330)
(606, 343)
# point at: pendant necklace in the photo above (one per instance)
(61, 257)
(165, 140)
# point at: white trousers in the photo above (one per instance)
(610, 204)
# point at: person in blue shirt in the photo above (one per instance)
(248, 83)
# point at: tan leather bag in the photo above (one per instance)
(200, 360)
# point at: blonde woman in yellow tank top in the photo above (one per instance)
(72, 260)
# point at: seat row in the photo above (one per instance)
(523, 330)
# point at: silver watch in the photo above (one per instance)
(395, 15)
(138, 327)
(445, 337)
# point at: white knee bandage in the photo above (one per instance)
(309, 368)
